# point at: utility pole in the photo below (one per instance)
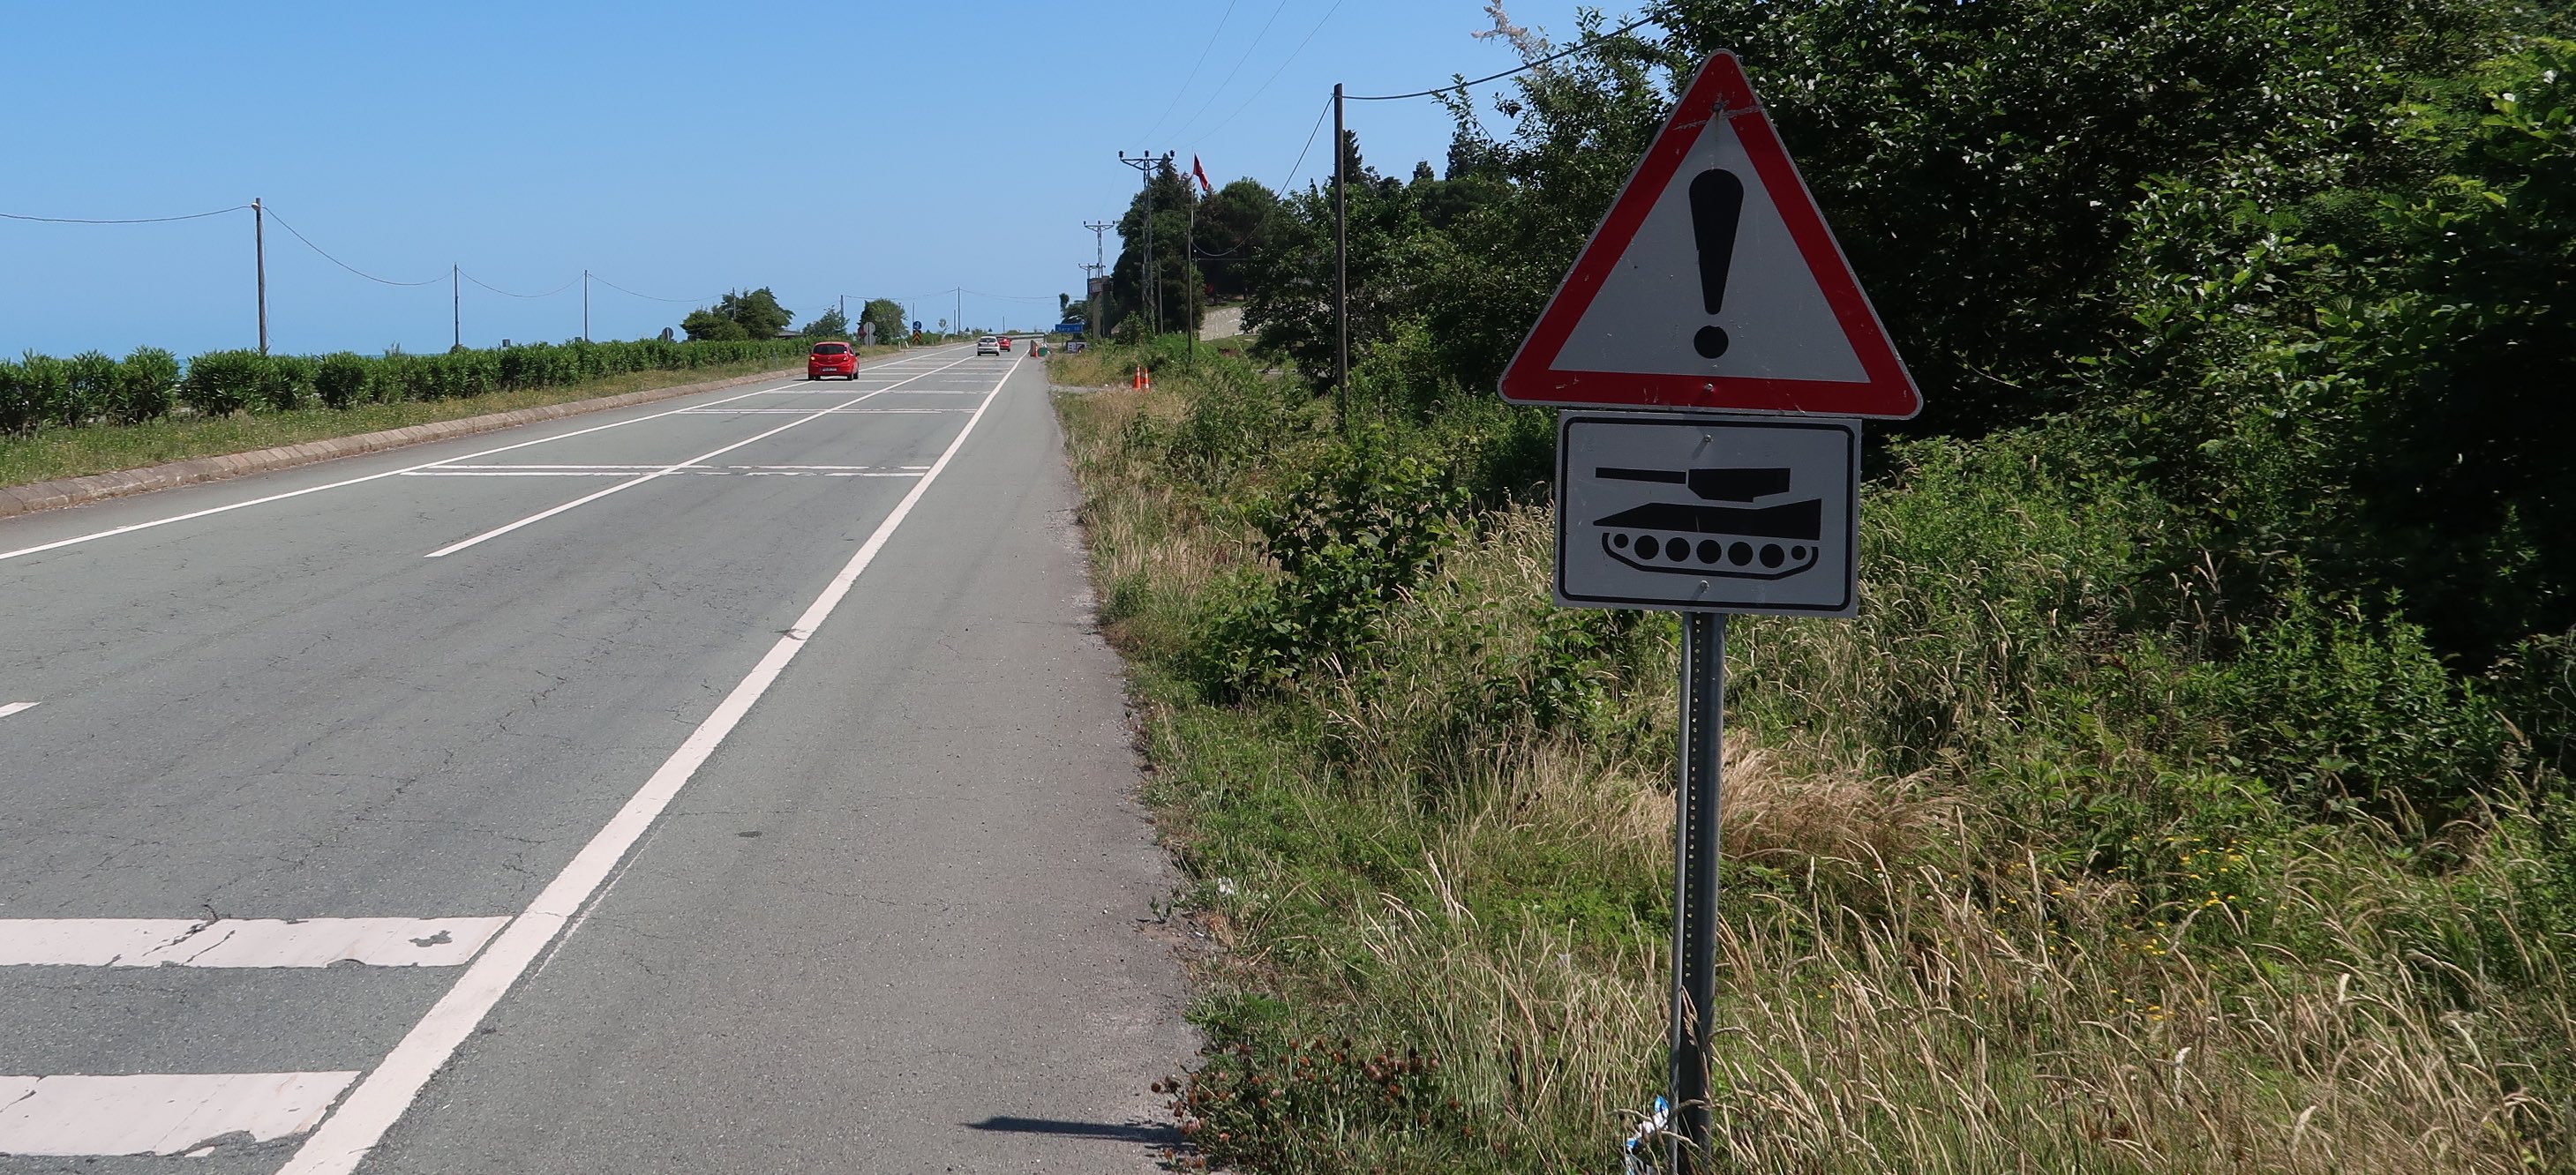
(1341, 271)
(1145, 165)
(960, 320)
(1190, 281)
(259, 245)
(1098, 269)
(585, 305)
(456, 304)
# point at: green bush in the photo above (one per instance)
(91, 389)
(1360, 529)
(285, 383)
(39, 391)
(340, 379)
(17, 406)
(44, 391)
(147, 382)
(220, 383)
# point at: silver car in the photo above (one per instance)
(988, 345)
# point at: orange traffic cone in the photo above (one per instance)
(1143, 381)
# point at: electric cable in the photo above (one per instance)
(129, 220)
(1274, 75)
(647, 297)
(1621, 31)
(1311, 132)
(1257, 38)
(308, 243)
(1194, 70)
(508, 294)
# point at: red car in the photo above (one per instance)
(1006, 342)
(832, 359)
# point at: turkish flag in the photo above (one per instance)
(1201, 172)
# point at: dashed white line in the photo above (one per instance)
(194, 514)
(9, 708)
(718, 411)
(379, 1101)
(242, 942)
(675, 467)
(158, 1113)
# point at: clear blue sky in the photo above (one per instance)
(675, 149)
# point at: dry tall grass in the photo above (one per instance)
(1909, 983)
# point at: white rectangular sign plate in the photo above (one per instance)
(1708, 513)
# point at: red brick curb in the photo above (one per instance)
(73, 491)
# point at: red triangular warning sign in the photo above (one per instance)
(1713, 283)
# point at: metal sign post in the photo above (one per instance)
(1695, 804)
(1712, 285)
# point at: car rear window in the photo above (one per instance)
(831, 348)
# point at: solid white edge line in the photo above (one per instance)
(14, 707)
(111, 533)
(378, 1102)
(666, 470)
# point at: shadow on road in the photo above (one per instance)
(1151, 1134)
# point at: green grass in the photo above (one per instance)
(2030, 868)
(51, 453)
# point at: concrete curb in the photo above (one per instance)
(74, 491)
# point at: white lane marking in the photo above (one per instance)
(622, 486)
(828, 411)
(631, 470)
(620, 473)
(9, 708)
(129, 529)
(379, 1101)
(159, 1113)
(242, 942)
(913, 392)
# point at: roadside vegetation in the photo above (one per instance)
(93, 413)
(2191, 794)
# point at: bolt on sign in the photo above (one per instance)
(1715, 356)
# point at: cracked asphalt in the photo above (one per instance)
(893, 924)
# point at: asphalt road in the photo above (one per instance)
(729, 784)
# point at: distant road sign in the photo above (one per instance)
(1707, 513)
(1713, 283)
(916, 326)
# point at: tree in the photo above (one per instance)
(1174, 285)
(887, 315)
(829, 324)
(1233, 225)
(703, 324)
(755, 315)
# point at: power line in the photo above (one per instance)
(308, 243)
(1274, 75)
(647, 297)
(1621, 31)
(1310, 145)
(131, 220)
(1194, 69)
(507, 294)
(1257, 38)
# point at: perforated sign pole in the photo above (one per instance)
(1695, 799)
(1713, 297)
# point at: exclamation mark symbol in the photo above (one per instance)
(1716, 202)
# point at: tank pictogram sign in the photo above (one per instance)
(1715, 513)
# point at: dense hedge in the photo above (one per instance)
(42, 391)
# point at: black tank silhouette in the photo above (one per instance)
(1736, 542)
